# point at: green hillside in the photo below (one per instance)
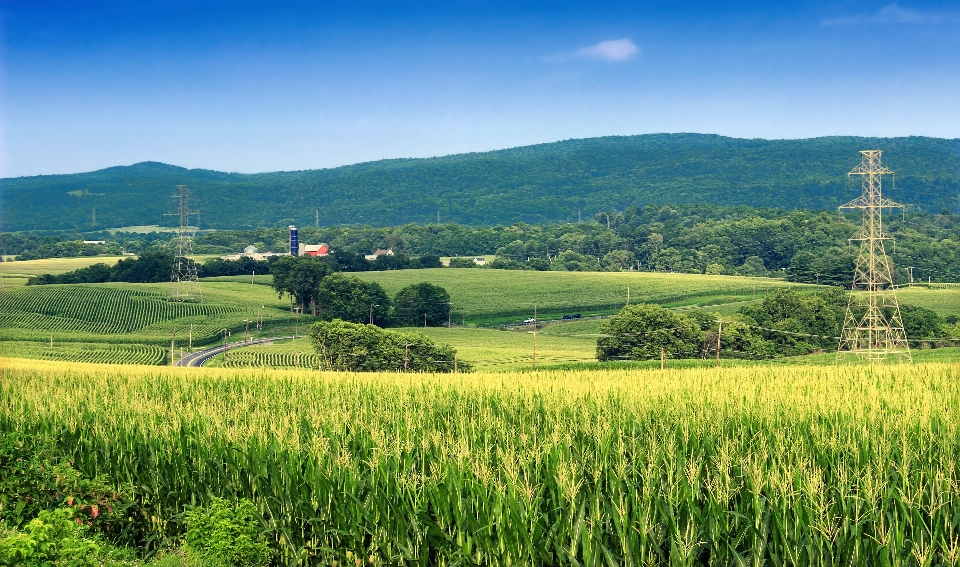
(534, 184)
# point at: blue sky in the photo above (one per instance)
(265, 86)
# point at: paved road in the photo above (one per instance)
(201, 356)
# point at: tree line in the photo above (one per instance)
(802, 246)
(785, 323)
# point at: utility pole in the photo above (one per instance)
(246, 329)
(628, 295)
(424, 320)
(172, 341)
(719, 333)
(296, 329)
(663, 358)
(867, 332)
(316, 223)
(406, 355)
(224, 352)
(535, 326)
(190, 343)
(910, 269)
(253, 277)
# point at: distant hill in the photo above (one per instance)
(541, 183)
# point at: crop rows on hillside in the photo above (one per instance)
(94, 309)
(86, 352)
(251, 358)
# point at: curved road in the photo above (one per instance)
(201, 356)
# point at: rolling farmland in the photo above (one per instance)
(772, 464)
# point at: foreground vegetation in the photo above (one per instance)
(800, 465)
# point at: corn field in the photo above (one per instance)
(754, 465)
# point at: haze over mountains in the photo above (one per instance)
(542, 183)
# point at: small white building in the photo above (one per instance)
(379, 252)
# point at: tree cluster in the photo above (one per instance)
(150, 267)
(311, 282)
(357, 347)
(785, 323)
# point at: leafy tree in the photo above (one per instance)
(395, 261)
(421, 301)
(368, 348)
(571, 261)
(349, 262)
(463, 263)
(508, 264)
(618, 260)
(638, 332)
(351, 299)
(428, 261)
(922, 324)
(753, 266)
(300, 277)
(539, 264)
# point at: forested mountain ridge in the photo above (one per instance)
(534, 184)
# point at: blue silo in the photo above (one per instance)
(294, 241)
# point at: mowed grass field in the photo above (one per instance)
(774, 465)
(16, 273)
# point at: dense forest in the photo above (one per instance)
(806, 246)
(546, 183)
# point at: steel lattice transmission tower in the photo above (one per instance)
(872, 327)
(184, 283)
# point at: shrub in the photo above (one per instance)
(53, 538)
(227, 534)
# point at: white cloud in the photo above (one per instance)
(611, 50)
(894, 14)
(890, 14)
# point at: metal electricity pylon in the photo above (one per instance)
(872, 327)
(184, 283)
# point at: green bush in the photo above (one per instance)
(227, 534)
(33, 480)
(54, 538)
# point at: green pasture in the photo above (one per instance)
(485, 296)
(29, 268)
(56, 266)
(943, 301)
